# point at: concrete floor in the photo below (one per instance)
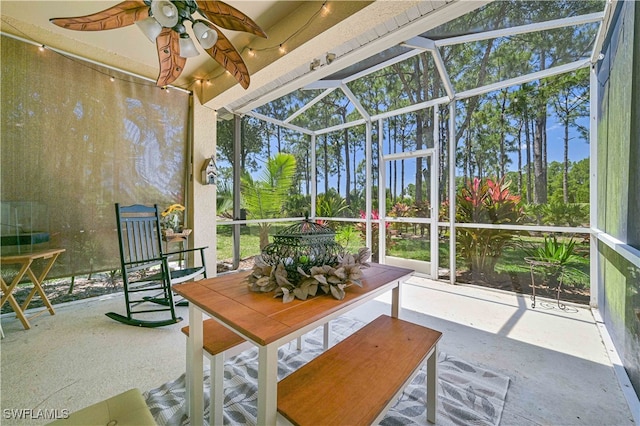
(559, 367)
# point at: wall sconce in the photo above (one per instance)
(209, 172)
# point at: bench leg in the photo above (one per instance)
(432, 385)
(326, 337)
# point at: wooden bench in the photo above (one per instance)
(356, 381)
(217, 342)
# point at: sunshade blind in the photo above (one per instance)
(75, 141)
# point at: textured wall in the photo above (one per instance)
(619, 182)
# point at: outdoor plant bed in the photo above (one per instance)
(102, 284)
(520, 282)
(84, 287)
(57, 290)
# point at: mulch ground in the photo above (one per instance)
(521, 283)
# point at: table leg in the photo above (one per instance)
(432, 385)
(37, 288)
(267, 384)
(8, 290)
(216, 390)
(395, 301)
(195, 382)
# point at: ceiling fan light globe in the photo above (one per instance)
(188, 47)
(150, 28)
(165, 12)
(207, 37)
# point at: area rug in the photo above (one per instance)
(467, 393)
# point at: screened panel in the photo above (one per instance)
(399, 85)
(484, 62)
(408, 132)
(510, 13)
(502, 259)
(341, 173)
(523, 154)
(332, 110)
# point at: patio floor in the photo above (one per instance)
(558, 365)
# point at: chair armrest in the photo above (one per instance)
(185, 251)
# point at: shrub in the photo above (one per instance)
(485, 202)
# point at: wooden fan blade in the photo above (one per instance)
(229, 17)
(226, 55)
(120, 15)
(171, 63)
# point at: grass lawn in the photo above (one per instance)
(407, 246)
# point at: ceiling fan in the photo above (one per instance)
(163, 21)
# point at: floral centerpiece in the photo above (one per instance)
(305, 260)
(172, 219)
(327, 279)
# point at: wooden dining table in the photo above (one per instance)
(269, 323)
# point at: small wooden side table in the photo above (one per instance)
(25, 260)
(177, 237)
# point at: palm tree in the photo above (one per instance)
(265, 197)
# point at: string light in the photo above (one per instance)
(41, 48)
(112, 79)
(325, 9)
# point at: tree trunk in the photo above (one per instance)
(520, 160)
(326, 163)
(540, 194)
(279, 139)
(347, 162)
(503, 150)
(565, 171)
(527, 137)
(419, 145)
(264, 235)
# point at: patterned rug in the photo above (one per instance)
(467, 394)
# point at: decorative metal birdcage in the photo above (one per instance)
(305, 244)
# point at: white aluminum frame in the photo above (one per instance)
(421, 44)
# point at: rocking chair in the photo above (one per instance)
(145, 268)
